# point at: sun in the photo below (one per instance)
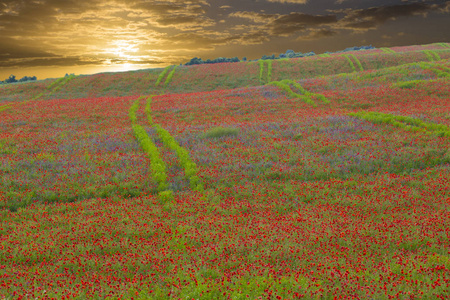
(123, 50)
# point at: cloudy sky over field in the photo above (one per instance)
(49, 38)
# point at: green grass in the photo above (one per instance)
(440, 72)
(218, 132)
(4, 107)
(350, 62)
(59, 83)
(431, 55)
(190, 168)
(157, 165)
(261, 63)
(387, 50)
(305, 96)
(405, 122)
(162, 74)
(408, 84)
(169, 77)
(357, 62)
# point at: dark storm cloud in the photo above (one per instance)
(140, 62)
(11, 49)
(46, 62)
(183, 21)
(318, 34)
(254, 16)
(192, 41)
(355, 19)
(285, 25)
(290, 1)
(294, 22)
(371, 18)
(198, 41)
(164, 8)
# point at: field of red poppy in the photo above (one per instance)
(309, 178)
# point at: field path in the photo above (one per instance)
(165, 76)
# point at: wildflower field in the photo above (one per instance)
(310, 178)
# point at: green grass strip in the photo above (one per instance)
(157, 165)
(408, 84)
(269, 70)
(261, 63)
(282, 85)
(324, 55)
(59, 83)
(357, 62)
(261, 69)
(436, 69)
(169, 77)
(53, 87)
(387, 50)
(436, 56)
(443, 45)
(429, 55)
(351, 63)
(190, 168)
(55, 83)
(5, 107)
(38, 96)
(305, 92)
(162, 74)
(305, 96)
(404, 122)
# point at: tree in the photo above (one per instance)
(11, 79)
(195, 61)
(26, 78)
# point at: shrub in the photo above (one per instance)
(407, 84)
(165, 196)
(218, 132)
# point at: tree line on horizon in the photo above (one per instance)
(287, 54)
(13, 79)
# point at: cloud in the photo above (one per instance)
(294, 22)
(319, 34)
(285, 25)
(182, 15)
(197, 40)
(256, 17)
(371, 18)
(290, 1)
(12, 49)
(182, 22)
(445, 7)
(46, 62)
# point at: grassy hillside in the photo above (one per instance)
(308, 178)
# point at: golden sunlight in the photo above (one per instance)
(123, 49)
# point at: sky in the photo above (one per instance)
(49, 38)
